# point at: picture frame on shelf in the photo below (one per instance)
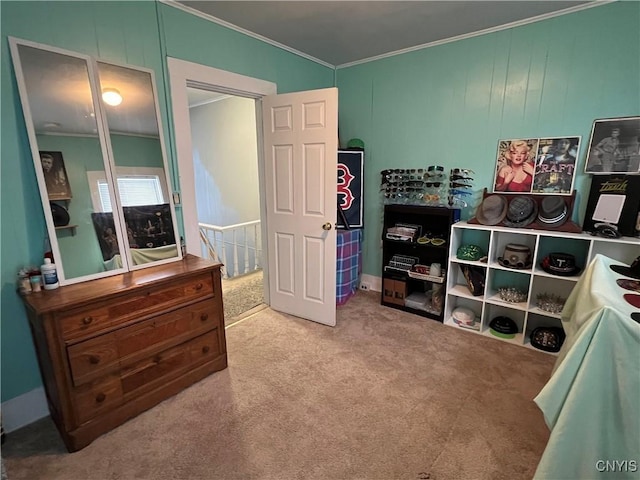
(515, 165)
(614, 146)
(555, 167)
(55, 175)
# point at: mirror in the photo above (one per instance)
(138, 163)
(74, 138)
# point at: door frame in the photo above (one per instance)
(183, 74)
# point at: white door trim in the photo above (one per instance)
(182, 74)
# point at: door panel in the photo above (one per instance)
(301, 144)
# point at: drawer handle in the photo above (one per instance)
(205, 349)
(94, 360)
(204, 317)
(199, 286)
(100, 397)
(87, 320)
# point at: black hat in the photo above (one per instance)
(492, 210)
(563, 264)
(553, 211)
(521, 212)
(549, 339)
(503, 327)
(60, 215)
(632, 271)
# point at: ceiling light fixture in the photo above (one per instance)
(112, 97)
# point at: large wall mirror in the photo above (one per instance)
(95, 135)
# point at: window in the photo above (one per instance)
(137, 186)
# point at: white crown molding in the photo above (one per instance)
(211, 100)
(249, 33)
(506, 26)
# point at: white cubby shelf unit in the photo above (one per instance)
(534, 281)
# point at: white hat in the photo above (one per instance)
(463, 315)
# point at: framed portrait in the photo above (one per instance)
(106, 233)
(515, 165)
(555, 168)
(55, 175)
(614, 146)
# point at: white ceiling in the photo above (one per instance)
(341, 32)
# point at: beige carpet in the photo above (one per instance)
(384, 395)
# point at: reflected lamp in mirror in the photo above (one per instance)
(112, 97)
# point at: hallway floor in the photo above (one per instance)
(241, 294)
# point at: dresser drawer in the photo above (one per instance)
(108, 314)
(97, 356)
(205, 348)
(95, 398)
(148, 373)
(93, 358)
(157, 333)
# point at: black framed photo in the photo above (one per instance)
(149, 226)
(106, 232)
(614, 146)
(556, 161)
(515, 165)
(55, 175)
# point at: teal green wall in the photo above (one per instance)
(132, 151)
(450, 104)
(138, 33)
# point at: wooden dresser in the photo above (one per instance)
(111, 348)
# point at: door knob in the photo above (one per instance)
(326, 226)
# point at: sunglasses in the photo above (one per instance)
(460, 192)
(460, 177)
(435, 168)
(459, 185)
(433, 184)
(461, 171)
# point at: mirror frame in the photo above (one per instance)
(104, 137)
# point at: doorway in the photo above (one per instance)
(225, 165)
(298, 202)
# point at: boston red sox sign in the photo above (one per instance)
(350, 187)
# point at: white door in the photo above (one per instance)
(300, 157)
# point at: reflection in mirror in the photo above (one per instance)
(139, 164)
(55, 89)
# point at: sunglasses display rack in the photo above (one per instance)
(460, 190)
(529, 294)
(414, 186)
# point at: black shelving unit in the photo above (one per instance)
(405, 283)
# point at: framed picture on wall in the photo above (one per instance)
(614, 146)
(555, 168)
(515, 165)
(55, 175)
